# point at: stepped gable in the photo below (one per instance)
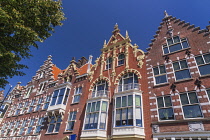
(169, 21)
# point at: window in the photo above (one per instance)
(203, 63)
(9, 128)
(100, 89)
(3, 129)
(39, 104)
(208, 93)
(77, 93)
(15, 127)
(30, 126)
(160, 74)
(39, 125)
(71, 120)
(108, 63)
(18, 109)
(174, 44)
(121, 59)
(29, 90)
(22, 127)
(25, 107)
(47, 102)
(96, 113)
(190, 105)
(54, 124)
(60, 96)
(42, 87)
(125, 107)
(31, 106)
(181, 70)
(4, 109)
(165, 108)
(128, 81)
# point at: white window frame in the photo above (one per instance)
(39, 104)
(160, 74)
(57, 97)
(42, 87)
(47, 101)
(23, 125)
(118, 59)
(71, 119)
(30, 126)
(55, 123)
(130, 86)
(205, 63)
(39, 125)
(77, 92)
(29, 91)
(109, 62)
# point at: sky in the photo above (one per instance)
(90, 22)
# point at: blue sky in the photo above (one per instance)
(90, 22)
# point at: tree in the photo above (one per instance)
(24, 23)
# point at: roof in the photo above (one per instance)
(56, 71)
(82, 70)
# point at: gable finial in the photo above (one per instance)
(126, 34)
(116, 29)
(166, 14)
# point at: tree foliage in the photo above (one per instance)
(23, 23)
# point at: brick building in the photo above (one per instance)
(126, 94)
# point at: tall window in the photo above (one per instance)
(38, 106)
(108, 63)
(22, 127)
(54, 124)
(203, 63)
(31, 105)
(190, 105)
(77, 94)
(96, 113)
(121, 59)
(175, 44)
(125, 106)
(4, 108)
(71, 120)
(60, 96)
(29, 90)
(30, 126)
(18, 109)
(165, 108)
(42, 87)
(208, 93)
(39, 125)
(128, 81)
(47, 102)
(15, 127)
(25, 107)
(181, 70)
(160, 74)
(100, 89)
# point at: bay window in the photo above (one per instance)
(128, 81)
(203, 63)
(128, 110)
(190, 105)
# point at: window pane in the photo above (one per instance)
(207, 58)
(57, 127)
(138, 116)
(167, 101)
(91, 126)
(70, 125)
(165, 50)
(183, 64)
(176, 39)
(162, 69)
(124, 116)
(175, 47)
(51, 127)
(192, 111)
(160, 79)
(118, 118)
(88, 107)
(124, 101)
(176, 65)
(183, 74)
(95, 120)
(104, 106)
(103, 121)
(87, 121)
(130, 116)
(160, 102)
(93, 106)
(138, 100)
(130, 100)
(156, 72)
(193, 97)
(118, 102)
(208, 92)
(199, 60)
(184, 99)
(185, 44)
(98, 106)
(170, 41)
(166, 114)
(204, 70)
(74, 115)
(55, 93)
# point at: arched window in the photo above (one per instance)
(121, 59)
(100, 89)
(128, 81)
(108, 63)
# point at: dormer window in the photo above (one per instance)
(108, 63)
(175, 44)
(121, 59)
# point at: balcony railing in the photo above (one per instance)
(129, 86)
(100, 93)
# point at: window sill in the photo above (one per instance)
(160, 85)
(120, 65)
(183, 80)
(74, 103)
(177, 51)
(204, 76)
(70, 131)
(53, 133)
(181, 121)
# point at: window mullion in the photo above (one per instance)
(134, 110)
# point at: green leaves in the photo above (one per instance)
(23, 23)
